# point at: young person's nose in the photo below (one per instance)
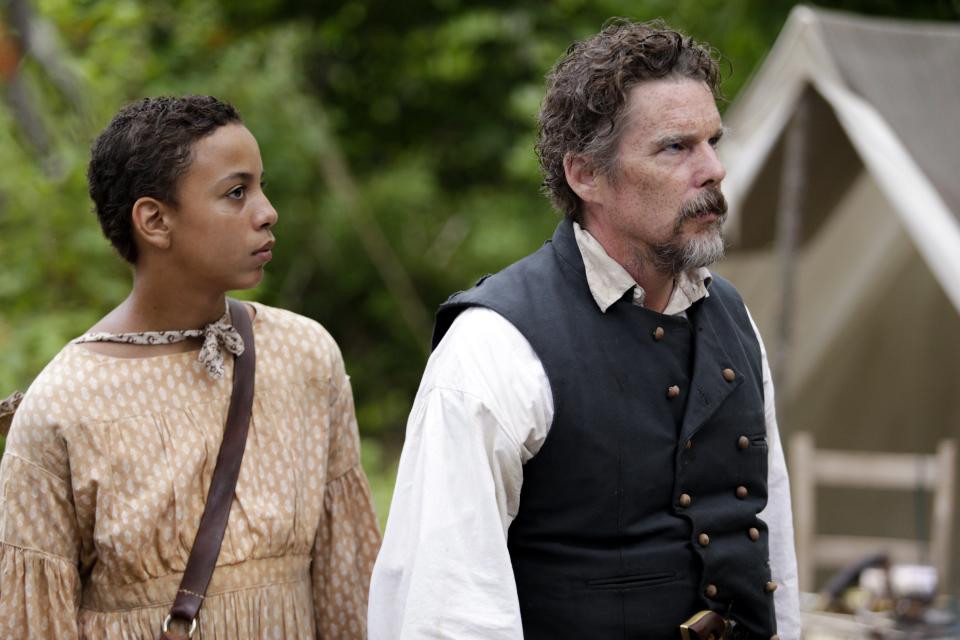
(266, 215)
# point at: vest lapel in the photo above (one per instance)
(708, 389)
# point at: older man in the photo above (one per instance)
(593, 452)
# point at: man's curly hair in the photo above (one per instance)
(587, 93)
(142, 153)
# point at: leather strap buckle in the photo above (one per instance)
(169, 618)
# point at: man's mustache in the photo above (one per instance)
(710, 200)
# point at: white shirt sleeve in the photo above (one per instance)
(778, 515)
(483, 409)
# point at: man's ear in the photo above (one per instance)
(582, 177)
(150, 219)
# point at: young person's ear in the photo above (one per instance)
(151, 223)
(582, 176)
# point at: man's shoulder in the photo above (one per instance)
(511, 292)
(724, 294)
(484, 356)
(723, 287)
(506, 281)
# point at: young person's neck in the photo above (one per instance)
(164, 304)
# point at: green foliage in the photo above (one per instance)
(430, 106)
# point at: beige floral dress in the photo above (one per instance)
(105, 474)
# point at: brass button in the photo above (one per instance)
(688, 444)
(711, 591)
(658, 333)
(729, 375)
(743, 442)
(673, 391)
(742, 492)
(703, 539)
(754, 533)
(771, 586)
(685, 500)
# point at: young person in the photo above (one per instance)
(110, 454)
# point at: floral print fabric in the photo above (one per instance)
(104, 480)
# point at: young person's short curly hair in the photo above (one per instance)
(587, 92)
(142, 153)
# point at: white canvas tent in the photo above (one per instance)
(860, 308)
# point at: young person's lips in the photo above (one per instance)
(264, 253)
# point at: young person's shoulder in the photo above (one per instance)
(56, 401)
(297, 340)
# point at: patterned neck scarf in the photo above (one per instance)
(217, 337)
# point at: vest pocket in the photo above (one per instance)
(631, 582)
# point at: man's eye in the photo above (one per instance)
(236, 193)
(675, 147)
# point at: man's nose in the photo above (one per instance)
(712, 171)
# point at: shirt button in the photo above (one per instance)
(710, 591)
(673, 391)
(743, 442)
(771, 586)
(685, 500)
(703, 539)
(729, 375)
(658, 333)
(754, 533)
(742, 492)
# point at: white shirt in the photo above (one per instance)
(484, 409)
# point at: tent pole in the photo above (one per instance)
(793, 177)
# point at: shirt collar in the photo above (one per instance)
(608, 280)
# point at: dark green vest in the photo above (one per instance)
(641, 507)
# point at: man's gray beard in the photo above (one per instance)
(705, 247)
(702, 249)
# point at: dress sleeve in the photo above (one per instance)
(348, 536)
(39, 536)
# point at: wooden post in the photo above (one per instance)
(804, 505)
(793, 178)
(942, 516)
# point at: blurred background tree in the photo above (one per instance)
(397, 140)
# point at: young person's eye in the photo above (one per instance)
(237, 193)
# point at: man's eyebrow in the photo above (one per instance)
(673, 138)
(680, 138)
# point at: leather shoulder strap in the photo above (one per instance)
(213, 523)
